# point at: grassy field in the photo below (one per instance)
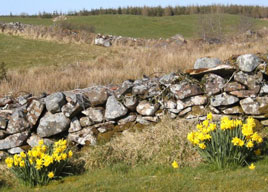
(141, 26)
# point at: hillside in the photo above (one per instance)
(141, 26)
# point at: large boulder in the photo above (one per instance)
(223, 99)
(248, 62)
(255, 106)
(206, 62)
(130, 102)
(96, 114)
(126, 87)
(114, 109)
(18, 122)
(213, 84)
(52, 124)
(15, 140)
(251, 81)
(75, 125)
(54, 102)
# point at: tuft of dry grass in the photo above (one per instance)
(156, 144)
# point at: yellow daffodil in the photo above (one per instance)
(202, 146)
(250, 144)
(50, 175)
(252, 166)
(257, 152)
(209, 116)
(70, 154)
(175, 165)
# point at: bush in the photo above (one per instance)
(226, 143)
(41, 164)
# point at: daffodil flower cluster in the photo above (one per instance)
(219, 141)
(41, 160)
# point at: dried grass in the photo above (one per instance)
(159, 144)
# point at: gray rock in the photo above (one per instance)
(147, 108)
(54, 102)
(175, 111)
(185, 111)
(207, 63)
(34, 139)
(223, 70)
(85, 121)
(250, 106)
(180, 105)
(244, 93)
(15, 150)
(126, 87)
(130, 102)
(5, 100)
(168, 79)
(214, 109)
(3, 123)
(70, 110)
(234, 86)
(151, 119)
(170, 104)
(114, 109)
(264, 89)
(77, 99)
(83, 137)
(95, 114)
(185, 90)
(75, 125)
(213, 84)
(15, 140)
(105, 124)
(223, 99)
(233, 110)
(18, 122)
(129, 118)
(52, 124)
(248, 62)
(34, 111)
(96, 95)
(251, 81)
(195, 100)
(142, 121)
(139, 89)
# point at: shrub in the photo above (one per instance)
(40, 164)
(229, 142)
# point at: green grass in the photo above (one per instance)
(156, 178)
(18, 52)
(141, 26)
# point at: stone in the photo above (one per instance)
(96, 95)
(15, 140)
(195, 100)
(95, 114)
(3, 123)
(264, 122)
(175, 111)
(185, 89)
(15, 150)
(83, 137)
(22, 100)
(180, 105)
(213, 84)
(52, 124)
(70, 110)
(233, 110)
(126, 87)
(151, 119)
(147, 108)
(54, 102)
(5, 100)
(139, 89)
(77, 99)
(250, 106)
(214, 109)
(264, 89)
(223, 70)
(172, 115)
(17, 122)
(142, 121)
(185, 111)
(108, 123)
(248, 62)
(85, 121)
(251, 81)
(114, 109)
(34, 111)
(206, 62)
(130, 102)
(244, 93)
(170, 104)
(75, 125)
(168, 79)
(223, 99)
(34, 139)
(234, 86)
(129, 118)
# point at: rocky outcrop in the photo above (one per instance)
(85, 115)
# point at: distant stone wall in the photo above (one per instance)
(58, 34)
(238, 88)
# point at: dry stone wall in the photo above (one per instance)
(236, 87)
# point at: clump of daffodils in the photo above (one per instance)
(40, 164)
(228, 142)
